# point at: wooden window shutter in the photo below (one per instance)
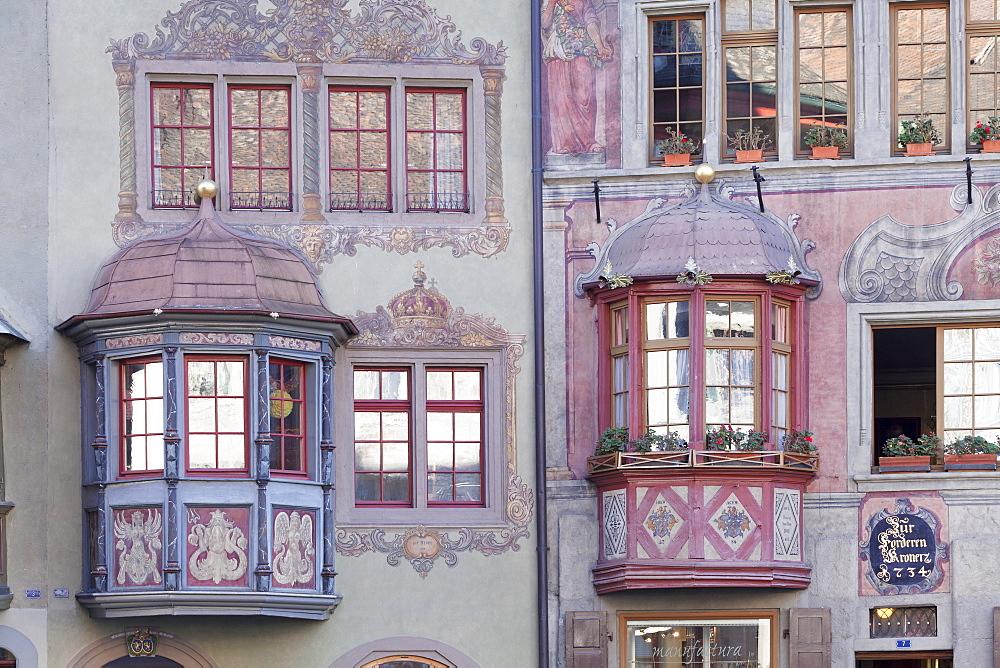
(586, 640)
(810, 637)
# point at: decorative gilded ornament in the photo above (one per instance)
(281, 404)
(141, 643)
(704, 173)
(613, 280)
(206, 189)
(788, 276)
(693, 275)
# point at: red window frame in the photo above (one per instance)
(186, 197)
(282, 407)
(387, 406)
(216, 359)
(722, 291)
(360, 200)
(436, 200)
(261, 199)
(127, 407)
(456, 406)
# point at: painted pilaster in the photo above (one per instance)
(262, 443)
(312, 203)
(326, 451)
(99, 569)
(171, 443)
(127, 195)
(493, 88)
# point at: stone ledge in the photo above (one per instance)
(267, 604)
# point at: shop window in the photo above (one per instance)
(360, 149)
(216, 411)
(182, 142)
(722, 639)
(141, 413)
(909, 622)
(702, 362)
(418, 436)
(920, 65)
(943, 380)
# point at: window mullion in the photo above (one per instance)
(418, 438)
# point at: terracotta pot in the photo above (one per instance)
(676, 159)
(757, 155)
(991, 146)
(826, 152)
(924, 148)
(978, 462)
(916, 464)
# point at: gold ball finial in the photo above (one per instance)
(704, 173)
(207, 189)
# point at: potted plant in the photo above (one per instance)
(616, 439)
(799, 441)
(749, 144)
(987, 134)
(918, 136)
(676, 148)
(826, 141)
(971, 453)
(728, 443)
(901, 454)
(612, 439)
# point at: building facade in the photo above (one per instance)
(260, 405)
(741, 339)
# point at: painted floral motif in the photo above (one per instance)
(661, 521)
(733, 523)
(987, 265)
(294, 551)
(138, 540)
(215, 541)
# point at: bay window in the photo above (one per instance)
(704, 360)
(418, 436)
(288, 415)
(216, 411)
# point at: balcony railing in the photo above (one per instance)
(260, 201)
(360, 201)
(174, 199)
(437, 202)
(703, 458)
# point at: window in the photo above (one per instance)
(705, 362)
(920, 64)
(909, 622)
(750, 60)
(943, 379)
(983, 31)
(824, 56)
(435, 150)
(677, 47)
(141, 412)
(217, 437)
(359, 149)
(418, 436)
(287, 382)
(182, 141)
(721, 639)
(260, 147)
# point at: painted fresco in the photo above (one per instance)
(294, 549)
(217, 547)
(138, 547)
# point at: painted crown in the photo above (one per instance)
(418, 306)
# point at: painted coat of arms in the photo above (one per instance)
(733, 523)
(661, 521)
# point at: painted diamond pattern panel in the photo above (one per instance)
(614, 524)
(733, 522)
(786, 525)
(662, 522)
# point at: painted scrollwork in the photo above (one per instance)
(220, 548)
(893, 262)
(448, 328)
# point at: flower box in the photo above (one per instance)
(977, 462)
(923, 148)
(676, 159)
(991, 146)
(825, 153)
(756, 155)
(912, 464)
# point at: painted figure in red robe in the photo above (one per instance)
(573, 49)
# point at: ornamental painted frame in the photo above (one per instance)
(311, 40)
(462, 338)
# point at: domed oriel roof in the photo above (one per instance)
(723, 238)
(208, 267)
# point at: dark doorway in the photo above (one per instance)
(905, 383)
(904, 660)
(142, 662)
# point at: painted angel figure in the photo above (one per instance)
(215, 542)
(139, 542)
(293, 548)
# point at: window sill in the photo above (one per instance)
(933, 481)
